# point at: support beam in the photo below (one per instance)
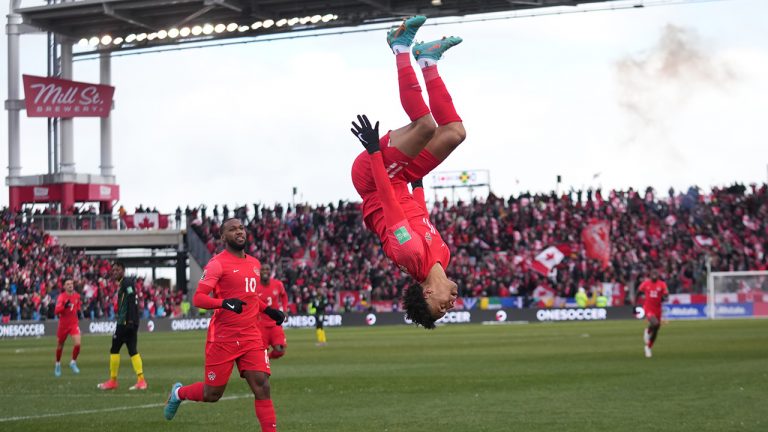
(105, 75)
(67, 124)
(224, 4)
(200, 12)
(127, 17)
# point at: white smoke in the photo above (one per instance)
(655, 85)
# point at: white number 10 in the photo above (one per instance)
(250, 285)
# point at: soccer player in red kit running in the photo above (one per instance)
(381, 174)
(655, 292)
(233, 333)
(272, 292)
(67, 307)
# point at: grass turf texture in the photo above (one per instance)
(704, 376)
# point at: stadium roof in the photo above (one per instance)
(161, 21)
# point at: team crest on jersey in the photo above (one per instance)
(257, 271)
(211, 376)
(274, 292)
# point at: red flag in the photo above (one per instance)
(597, 241)
(146, 221)
(548, 259)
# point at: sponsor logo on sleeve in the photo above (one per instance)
(402, 235)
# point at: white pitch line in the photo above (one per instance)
(103, 410)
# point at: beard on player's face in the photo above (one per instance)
(235, 245)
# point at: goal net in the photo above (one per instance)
(742, 294)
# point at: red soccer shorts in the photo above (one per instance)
(220, 356)
(652, 313)
(273, 336)
(399, 166)
(68, 330)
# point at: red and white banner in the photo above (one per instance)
(704, 241)
(597, 241)
(548, 259)
(54, 97)
(146, 221)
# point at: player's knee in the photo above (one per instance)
(425, 127)
(211, 395)
(460, 134)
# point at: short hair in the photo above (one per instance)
(416, 308)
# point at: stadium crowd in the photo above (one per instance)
(326, 249)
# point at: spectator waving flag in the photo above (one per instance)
(597, 241)
(547, 259)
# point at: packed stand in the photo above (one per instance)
(494, 241)
(33, 268)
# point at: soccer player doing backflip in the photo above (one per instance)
(655, 291)
(382, 172)
(68, 305)
(234, 336)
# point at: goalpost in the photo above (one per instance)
(738, 294)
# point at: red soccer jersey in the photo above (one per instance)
(654, 292)
(68, 314)
(273, 295)
(230, 276)
(416, 261)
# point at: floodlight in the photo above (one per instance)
(106, 39)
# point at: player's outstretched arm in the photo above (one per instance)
(367, 134)
(369, 137)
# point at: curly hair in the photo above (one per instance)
(416, 308)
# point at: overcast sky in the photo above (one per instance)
(659, 96)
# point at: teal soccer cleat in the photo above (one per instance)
(172, 405)
(404, 33)
(57, 370)
(73, 366)
(435, 49)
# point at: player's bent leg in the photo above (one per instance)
(447, 138)
(213, 393)
(265, 410)
(414, 137)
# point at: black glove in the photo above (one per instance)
(417, 184)
(275, 314)
(233, 305)
(68, 304)
(368, 136)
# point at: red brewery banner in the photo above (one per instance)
(54, 97)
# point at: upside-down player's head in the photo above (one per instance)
(428, 302)
(233, 233)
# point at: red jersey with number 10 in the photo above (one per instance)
(230, 276)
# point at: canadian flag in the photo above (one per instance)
(597, 241)
(703, 241)
(549, 258)
(146, 221)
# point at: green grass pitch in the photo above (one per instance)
(704, 376)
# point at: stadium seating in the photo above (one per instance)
(493, 241)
